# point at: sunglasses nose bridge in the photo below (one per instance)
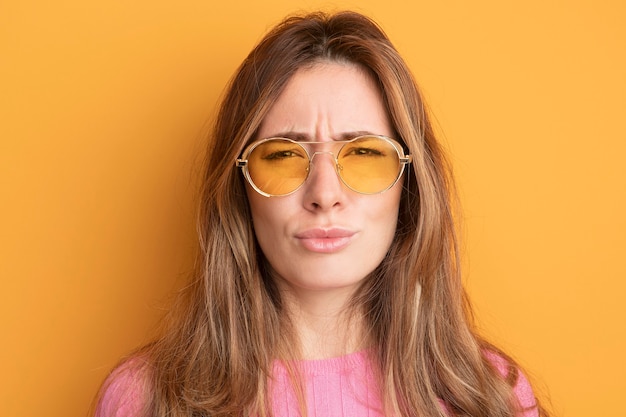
(333, 159)
(329, 153)
(314, 154)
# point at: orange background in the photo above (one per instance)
(102, 105)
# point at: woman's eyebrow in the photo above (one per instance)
(297, 136)
(352, 135)
(305, 137)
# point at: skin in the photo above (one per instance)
(324, 239)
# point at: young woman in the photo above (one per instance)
(329, 279)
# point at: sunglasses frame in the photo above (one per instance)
(243, 161)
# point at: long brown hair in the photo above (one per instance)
(214, 357)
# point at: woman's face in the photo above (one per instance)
(324, 236)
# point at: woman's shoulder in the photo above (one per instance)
(518, 380)
(125, 391)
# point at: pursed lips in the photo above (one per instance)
(325, 240)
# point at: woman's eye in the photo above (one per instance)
(282, 155)
(364, 152)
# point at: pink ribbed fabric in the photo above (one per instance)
(125, 394)
(337, 387)
(342, 386)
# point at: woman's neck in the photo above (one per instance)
(324, 324)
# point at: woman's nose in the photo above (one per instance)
(324, 189)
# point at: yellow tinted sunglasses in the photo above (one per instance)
(367, 164)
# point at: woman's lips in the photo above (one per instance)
(325, 240)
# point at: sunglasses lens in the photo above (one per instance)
(369, 165)
(278, 166)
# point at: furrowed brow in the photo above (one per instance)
(297, 136)
(305, 137)
(352, 135)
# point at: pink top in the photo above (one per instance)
(343, 386)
